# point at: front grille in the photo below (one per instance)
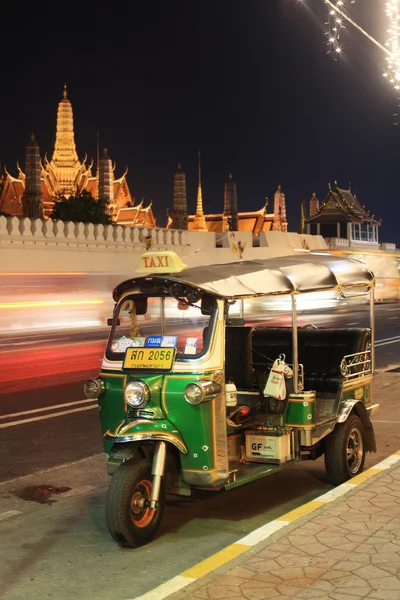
(141, 413)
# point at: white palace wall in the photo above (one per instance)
(47, 246)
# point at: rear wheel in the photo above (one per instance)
(130, 520)
(345, 451)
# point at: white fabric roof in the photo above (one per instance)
(283, 275)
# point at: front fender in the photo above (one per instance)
(359, 408)
(141, 430)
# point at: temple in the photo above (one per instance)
(342, 217)
(65, 175)
(228, 220)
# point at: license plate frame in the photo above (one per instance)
(149, 359)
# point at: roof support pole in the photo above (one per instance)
(295, 346)
(372, 324)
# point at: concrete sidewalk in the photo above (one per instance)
(347, 546)
(344, 544)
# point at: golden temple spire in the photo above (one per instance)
(199, 223)
(65, 158)
(199, 206)
(64, 167)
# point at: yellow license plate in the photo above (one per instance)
(144, 359)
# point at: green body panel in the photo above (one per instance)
(112, 405)
(362, 393)
(171, 415)
(300, 411)
(199, 437)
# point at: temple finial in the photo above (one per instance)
(199, 167)
(65, 90)
(179, 166)
(199, 219)
(32, 137)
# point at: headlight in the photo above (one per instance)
(201, 391)
(137, 394)
(92, 388)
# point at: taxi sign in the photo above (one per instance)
(160, 262)
(144, 359)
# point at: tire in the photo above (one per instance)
(345, 451)
(130, 521)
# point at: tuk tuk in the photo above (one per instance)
(194, 396)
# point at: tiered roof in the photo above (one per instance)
(342, 205)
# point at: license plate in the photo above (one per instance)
(144, 359)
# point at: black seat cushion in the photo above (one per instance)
(238, 358)
(320, 351)
(269, 343)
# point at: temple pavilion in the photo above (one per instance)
(342, 216)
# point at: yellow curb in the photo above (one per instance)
(216, 560)
(364, 476)
(297, 513)
(398, 452)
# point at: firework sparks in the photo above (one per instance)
(393, 43)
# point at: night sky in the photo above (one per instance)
(249, 82)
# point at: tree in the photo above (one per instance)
(80, 209)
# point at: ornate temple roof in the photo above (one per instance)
(342, 205)
(254, 221)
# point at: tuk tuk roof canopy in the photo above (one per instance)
(294, 274)
(281, 275)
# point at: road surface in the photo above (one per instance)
(50, 436)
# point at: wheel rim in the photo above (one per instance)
(354, 450)
(142, 514)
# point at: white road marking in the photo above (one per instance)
(386, 339)
(43, 417)
(44, 409)
(63, 466)
(378, 345)
(8, 514)
(355, 323)
(376, 421)
(391, 318)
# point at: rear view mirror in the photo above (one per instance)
(141, 306)
(207, 305)
(110, 322)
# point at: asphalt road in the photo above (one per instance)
(50, 436)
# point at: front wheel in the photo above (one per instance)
(130, 519)
(345, 451)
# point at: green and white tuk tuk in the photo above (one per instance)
(194, 398)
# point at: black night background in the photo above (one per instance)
(249, 82)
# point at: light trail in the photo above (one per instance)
(49, 303)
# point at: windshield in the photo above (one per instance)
(138, 322)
